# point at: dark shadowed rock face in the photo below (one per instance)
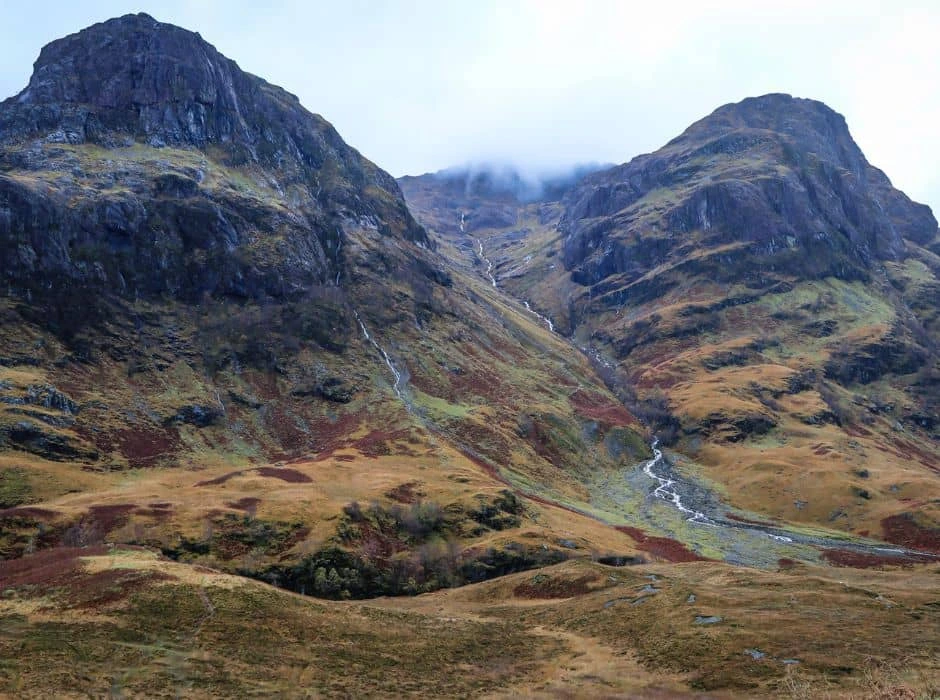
(140, 161)
(780, 175)
(146, 77)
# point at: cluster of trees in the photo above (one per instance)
(409, 549)
(338, 574)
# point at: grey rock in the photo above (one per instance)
(827, 213)
(199, 416)
(707, 620)
(136, 80)
(49, 397)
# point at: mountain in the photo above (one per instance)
(201, 278)
(166, 212)
(768, 301)
(781, 175)
(781, 294)
(488, 196)
(252, 195)
(497, 215)
(263, 433)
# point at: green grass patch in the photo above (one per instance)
(15, 488)
(440, 408)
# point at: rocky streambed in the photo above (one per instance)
(653, 496)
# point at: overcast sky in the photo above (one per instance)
(420, 86)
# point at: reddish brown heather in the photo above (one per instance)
(375, 444)
(663, 547)
(220, 479)
(291, 476)
(97, 590)
(406, 493)
(28, 512)
(106, 518)
(910, 452)
(902, 529)
(600, 408)
(280, 424)
(146, 448)
(47, 567)
(247, 504)
(863, 560)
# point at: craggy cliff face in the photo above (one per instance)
(778, 178)
(139, 161)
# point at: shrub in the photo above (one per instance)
(500, 514)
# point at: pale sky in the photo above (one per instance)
(418, 86)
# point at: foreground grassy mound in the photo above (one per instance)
(124, 621)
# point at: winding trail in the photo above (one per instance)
(210, 612)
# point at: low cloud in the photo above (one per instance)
(421, 86)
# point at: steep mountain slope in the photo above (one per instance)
(227, 348)
(202, 282)
(771, 300)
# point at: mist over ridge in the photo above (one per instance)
(525, 183)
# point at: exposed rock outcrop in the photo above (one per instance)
(778, 178)
(140, 162)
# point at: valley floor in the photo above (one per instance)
(121, 621)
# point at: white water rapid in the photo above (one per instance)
(489, 264)
(665, 490)
(388, 360)
(544, 319)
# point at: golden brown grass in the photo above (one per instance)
(128, 622)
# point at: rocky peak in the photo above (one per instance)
(134, 58)
(141, 161)
(149, 78)
(779, 174)
(134, 79)
(810, 126)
